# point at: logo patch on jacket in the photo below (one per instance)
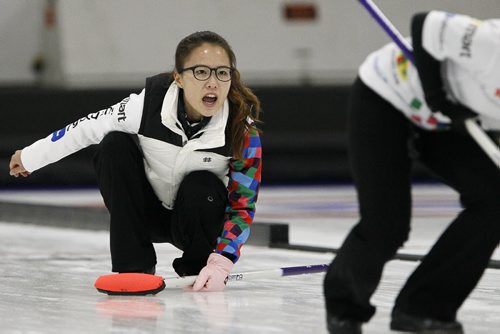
(121, 110)
(467, 38)
(56, 135)
(207, 159)
(402, 66)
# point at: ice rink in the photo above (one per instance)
(48, 273)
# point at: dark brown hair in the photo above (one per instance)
(243, 103)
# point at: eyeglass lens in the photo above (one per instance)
(222, 73)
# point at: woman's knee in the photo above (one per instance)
(201, 200)
(390, 234)
(202, 185)
(199, 210)
(115, 142)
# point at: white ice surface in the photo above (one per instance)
(48, 274)
(47, 280)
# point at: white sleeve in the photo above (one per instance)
(467, 41)
(124, 116)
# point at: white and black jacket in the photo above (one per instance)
(469, 50)
(152, 115)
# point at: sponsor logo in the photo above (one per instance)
(416, 104)
(56, 135)
(432, 120)
(107, 111)
(60, 133)
(121, 110)
(416, 119)
(207, 159)
(402, 66)
(470, 30)
(94, 116)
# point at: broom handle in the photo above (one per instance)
(181, 282)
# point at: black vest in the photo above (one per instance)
(151, 125)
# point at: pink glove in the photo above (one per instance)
(213, 276)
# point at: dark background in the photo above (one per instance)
(304, 138)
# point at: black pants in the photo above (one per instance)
(138, 218)
(380, 161)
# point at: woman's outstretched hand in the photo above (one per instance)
(213, 276)
(16, 165)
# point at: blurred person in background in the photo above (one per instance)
(399, 112)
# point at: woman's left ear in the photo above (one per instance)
(178, 79)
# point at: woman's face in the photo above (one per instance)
(204, 98)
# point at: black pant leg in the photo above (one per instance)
(136, 215)
(456, 262)
(380, 163)
(198, 220)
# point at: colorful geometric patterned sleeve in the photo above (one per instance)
(243, 188)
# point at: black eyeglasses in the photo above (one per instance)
(202, 72)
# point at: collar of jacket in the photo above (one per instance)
(216, 127)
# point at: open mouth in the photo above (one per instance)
(209, 99)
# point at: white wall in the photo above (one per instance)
(20, 25)
(119, 42)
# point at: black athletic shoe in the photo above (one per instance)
(408, 323)
(343, 326)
